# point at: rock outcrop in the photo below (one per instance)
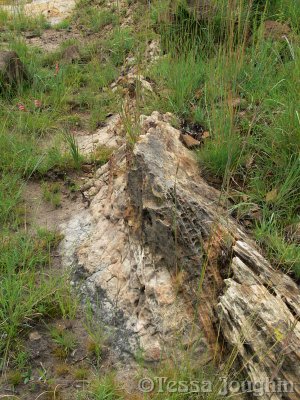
(259, 316)
(12, 70)
(53, 10)
(161, 260)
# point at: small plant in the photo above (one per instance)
(94, 18)
(101, 155)
(65, 24)
(64, 339)
(182, 76)
(120, 43)
(47, 240)
(74, 149)
(94, 347)
(280, 252)
(105, 388)
(81, 373)
(97, 335)
(62, 369)
(102, 105)
(15, 378)
(67, 302)
(131, 125)
(10, 200)
(21, 358)
(52, 193)
(71, 121)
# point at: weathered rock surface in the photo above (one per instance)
(12, 70)
(259, 315)
(105, 136)
(54, 10)
(71, 54)
(153, 228)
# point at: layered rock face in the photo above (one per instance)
(161, 260)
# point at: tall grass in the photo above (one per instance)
(74, 149)
(18, 22)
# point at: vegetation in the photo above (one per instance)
(23, 260)
(21, 23)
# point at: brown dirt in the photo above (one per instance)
(51, 39)
(50, 371)
(42, 214)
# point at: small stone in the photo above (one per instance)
(146, 85)
(293, 233)
(64, 325)
(238, 103)
(71, 54)
(87, 168)
(31, 35)
(189, 141)
(34, 336)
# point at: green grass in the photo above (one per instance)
(105, 388)
(19, 22)
(10, 200)
(282, 253)
(64, 339)
(73, 149)
(93, 18)
(182, 76)
(119, 44)
(27, 291)
(52, 193)
(65, 24)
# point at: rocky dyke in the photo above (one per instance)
(161, 260)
